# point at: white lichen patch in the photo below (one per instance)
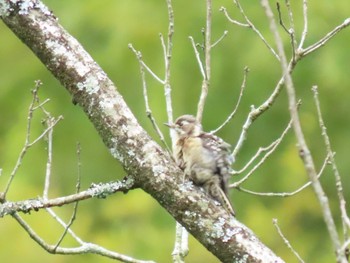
(158, 169)
(107, 106)
(150, 155)
(218, 228)
(5, 8)
(221, 231)
(229, 233)
(192, 216)
(82, 69)
(62, 54)
(186, 186)
(116, 154)
(25, 6)
(90, 85)
(56, 47)
(101, 76)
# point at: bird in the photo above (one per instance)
(205, 158)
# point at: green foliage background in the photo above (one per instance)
(135, 224)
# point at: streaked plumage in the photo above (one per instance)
(204, 158)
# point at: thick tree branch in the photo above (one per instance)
(147, 164)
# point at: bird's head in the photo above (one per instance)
(186, 125)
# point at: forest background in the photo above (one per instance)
(135, 224)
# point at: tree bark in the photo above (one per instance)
(151, 168)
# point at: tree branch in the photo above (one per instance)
(95, 190)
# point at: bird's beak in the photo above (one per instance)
(170, 125)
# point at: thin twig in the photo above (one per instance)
(198, 58)
(28, 143)
(305, 29)
(286, 241)
(280, 17)
(75, 209)
(64, 225)
(325, 39)
(145, 96)
(139, 58)
(269, 150)
(48, 122)
(256, 112)
(252, 26)
(233, 113)
(286, 194)
(207, 61)
(168, 50)
(223, 9)
(220, 39)
(85, 247)
(336, 173)
(291, 30)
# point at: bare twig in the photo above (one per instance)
(286, 194)
(139, 58)
(233, 113)
(305, 29)
(223, 9)
(198, 58)
(269, 150)
(85, 248)
(220, 39)
(168, 50)
(145, 96)
(280, 18)
(207, 57)
(28, 143)
(325, 39)
(291, 30)
(286, 241)
(75, 209)
(336, 173)
(250, 25)
(48, 122)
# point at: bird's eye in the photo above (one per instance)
(183, 123)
